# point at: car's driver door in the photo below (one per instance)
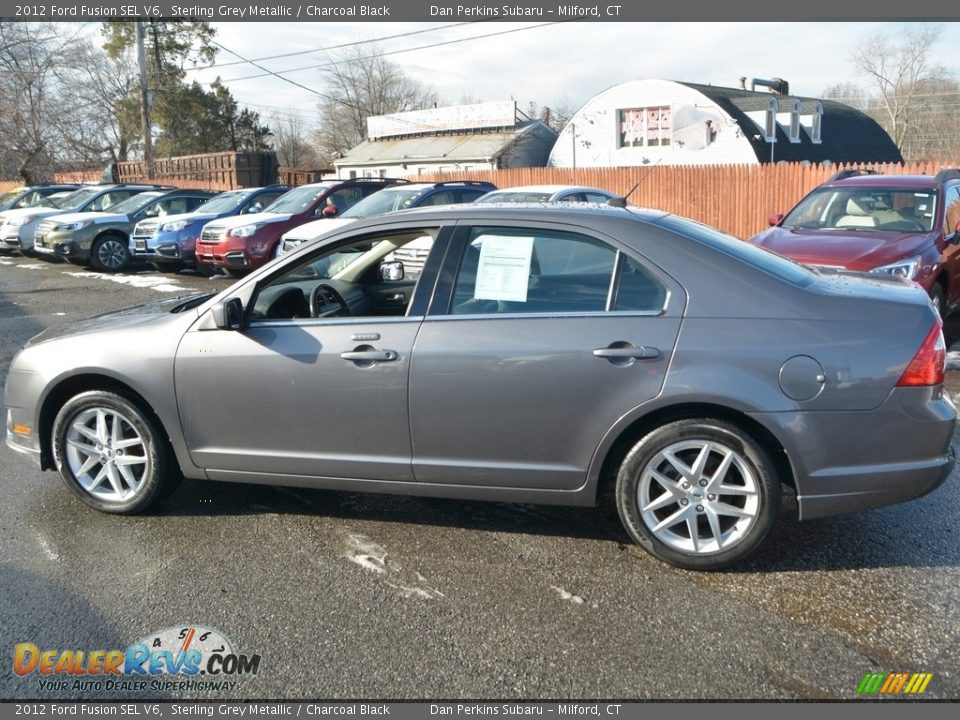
(292, 393)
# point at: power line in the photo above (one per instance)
(330, 47)
(333, 63)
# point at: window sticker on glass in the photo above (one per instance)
(503, 272)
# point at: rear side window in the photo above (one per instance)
(538, 271)
(748, 253)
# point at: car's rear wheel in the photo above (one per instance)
(109, 253)
(112, 454)
(698, 493)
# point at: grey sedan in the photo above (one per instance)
(543, 355)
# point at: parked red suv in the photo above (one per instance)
(903, 225)
(242, 243)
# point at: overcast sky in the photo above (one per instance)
(548, 64)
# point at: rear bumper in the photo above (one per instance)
(848, 461)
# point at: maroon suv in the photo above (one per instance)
(903, 225)
(242, 243)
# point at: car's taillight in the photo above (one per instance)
(928, 365)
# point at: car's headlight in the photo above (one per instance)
(70, 227)
(175, 226)
(18, 221)
(906, 269)
(244, 231)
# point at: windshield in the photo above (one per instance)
(225, 202)
(78, 198)
(384, 201)
(8, 196)
(864, 208)
(132, 204)
(515, 197)
(297, 200)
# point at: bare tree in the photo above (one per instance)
(30, 56)
(899, 70)
(290, 141)
(362, 83)
(102, 87)
(848, 93)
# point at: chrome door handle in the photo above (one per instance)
(370, 355)
(637, 352)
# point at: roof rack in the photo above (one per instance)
(852, 172)
(476, 183)
(374, 179)
(948, 174)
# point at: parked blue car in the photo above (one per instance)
(169, 243)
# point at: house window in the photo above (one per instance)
(383, 172)
(771, 124)
(353, 174)
(645, 127)
(817, 123)
(795, 121)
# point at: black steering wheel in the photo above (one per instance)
(326, 300)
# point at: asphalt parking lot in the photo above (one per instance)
(362, 596)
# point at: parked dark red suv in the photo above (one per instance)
(903, 225)
(242, 243)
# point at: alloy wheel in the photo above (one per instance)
(107, 455)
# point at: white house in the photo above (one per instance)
(644, 122)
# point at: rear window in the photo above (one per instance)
(751, 254)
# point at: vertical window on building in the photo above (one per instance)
(383, 172)
(817, 123)
(645, 127)
(795, 122)
(771, 124)
(353, 174)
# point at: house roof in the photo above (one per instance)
(468, 146)
(848, 135)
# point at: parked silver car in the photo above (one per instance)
(543, 355)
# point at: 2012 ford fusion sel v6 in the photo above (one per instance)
(541, 355)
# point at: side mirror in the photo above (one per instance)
(228, 315)
(253, 209)
(330, 211)
(775, 219)
(391, 270)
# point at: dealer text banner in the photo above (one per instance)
(519, 10)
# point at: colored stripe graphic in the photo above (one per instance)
(894, 683)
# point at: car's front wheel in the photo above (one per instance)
(698, 493)
(112, 454)
(109, 253)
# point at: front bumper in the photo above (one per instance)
(164, 249)
(849, 461)
(69, 245)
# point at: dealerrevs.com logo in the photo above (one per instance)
(184, 658)
(894, 683)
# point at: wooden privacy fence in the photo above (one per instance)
(737, 199)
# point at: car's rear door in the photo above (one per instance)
(542, 338)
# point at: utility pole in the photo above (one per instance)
(144, 104)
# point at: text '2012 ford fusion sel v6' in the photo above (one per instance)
(541, 355)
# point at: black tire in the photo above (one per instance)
(109, 253)
(235, 273)
(156, 476)
(723, 539)
(939, 299)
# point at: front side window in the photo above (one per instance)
(345, 280)
(645, 127)
(536, 271)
